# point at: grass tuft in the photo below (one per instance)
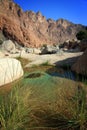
(14, 109)
(23, 61)
(45, 64)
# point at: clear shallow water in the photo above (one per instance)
(70, 75)
(66, 74)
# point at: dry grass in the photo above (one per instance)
(23, 61)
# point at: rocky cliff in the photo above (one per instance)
(32, 29)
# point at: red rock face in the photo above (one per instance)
(80, 66)
(32, 29)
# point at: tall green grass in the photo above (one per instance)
(14, 109)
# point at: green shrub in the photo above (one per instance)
(82, 35)
(45, 63)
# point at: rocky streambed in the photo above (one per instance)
(45, 56)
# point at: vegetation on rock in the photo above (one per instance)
(82, 35)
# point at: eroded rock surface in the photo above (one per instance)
(32, 29)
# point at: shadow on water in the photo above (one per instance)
(66, 72)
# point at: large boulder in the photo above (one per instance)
(29, 50)
(10, 70)
(9, 46)
(80, 66)
(49, 49)
(37, 51)
(33, 50)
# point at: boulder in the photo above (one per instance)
(18, 46)
(37, 51)
(10, 70)
(9, 46)
(71, 46)
(48, 49)
(80, 66)
(33, 50)
(29, 50)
